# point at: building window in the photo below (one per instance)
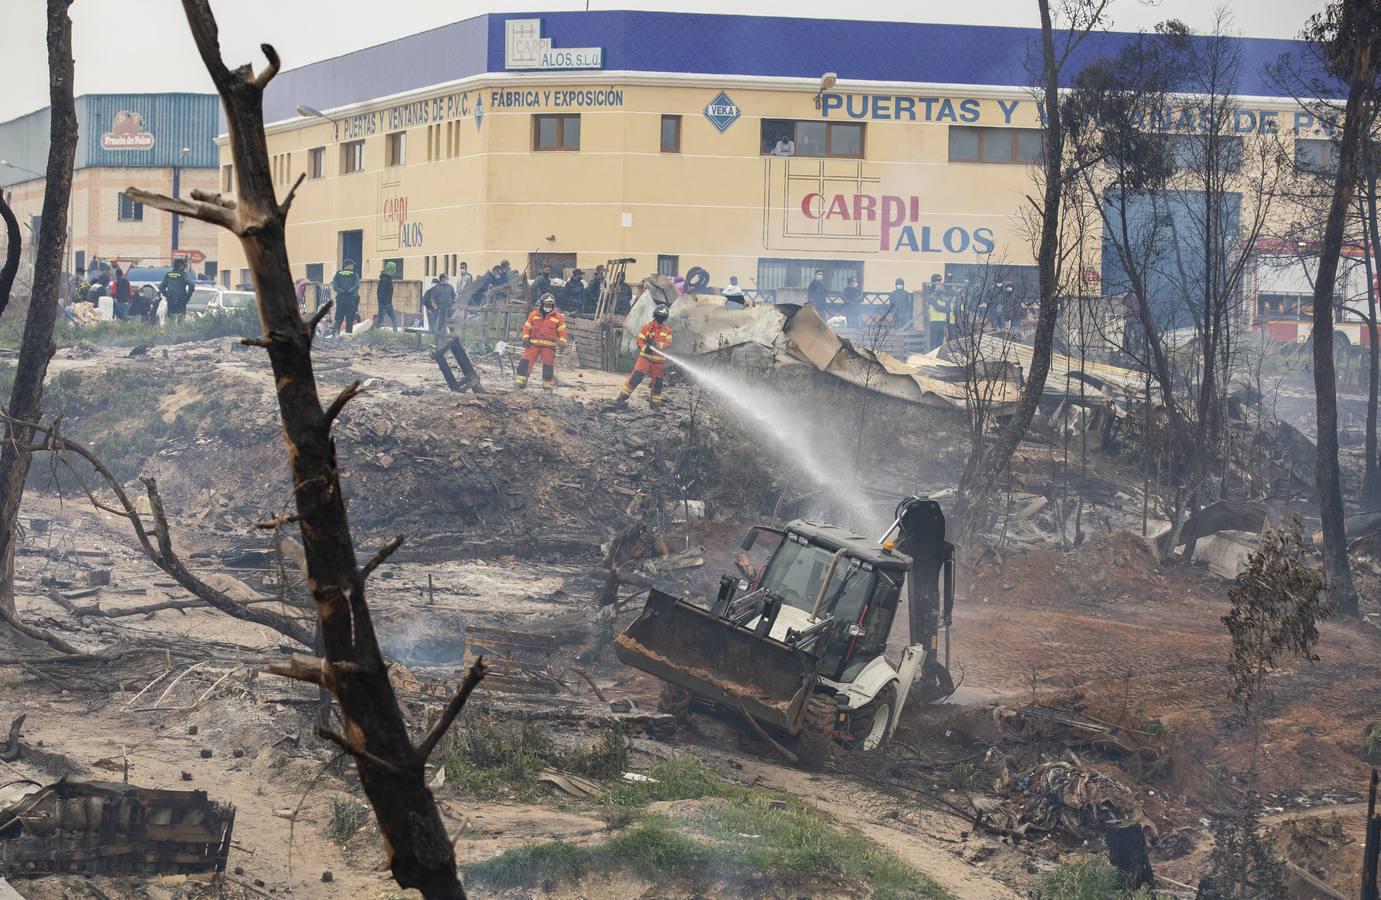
(556, 132)
(210, 268)
(668, 265)
(80, 265)
(245, 283)
(129, 210)
(351, 157)
(225, 278)
(994, 145)
(798, 273)
(316, 162)
(671, 134)
(1315, 156)
(316, 272)
(395, 148)
(227, 178)
(1191, 151)
(789, 137)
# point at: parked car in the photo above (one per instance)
(212, 298)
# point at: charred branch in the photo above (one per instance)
(472, 678)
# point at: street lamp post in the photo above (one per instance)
(308, 112)
(177, 186)
(9, 165)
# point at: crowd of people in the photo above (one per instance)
(148, 303)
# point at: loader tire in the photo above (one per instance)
(877, 714)
(675, 702)
(816, 740)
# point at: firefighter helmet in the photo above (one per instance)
(548, 302)
(660, 313)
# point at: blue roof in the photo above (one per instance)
(712, 44)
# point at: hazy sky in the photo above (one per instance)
(143, 45)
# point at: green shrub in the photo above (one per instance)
(608, 758)
(347, 817)
(1089, 879)
(484, 756)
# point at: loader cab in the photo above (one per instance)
(862, 594)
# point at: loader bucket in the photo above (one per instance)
(719, 661)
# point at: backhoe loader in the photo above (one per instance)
(800, 651)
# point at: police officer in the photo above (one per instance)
(175, 289)
(346, 286)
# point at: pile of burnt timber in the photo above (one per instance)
(98, 828)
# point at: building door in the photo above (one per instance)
(352, 247)
(561, 263)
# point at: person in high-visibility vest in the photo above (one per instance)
(543, 332)
(654, 337)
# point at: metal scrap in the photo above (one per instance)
(1057, 795)
(97, 827)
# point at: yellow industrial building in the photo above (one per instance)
(752, 147)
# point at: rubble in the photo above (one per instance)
(97, 827)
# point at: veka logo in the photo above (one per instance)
(722, 112)
(525, 48)
(127, 133)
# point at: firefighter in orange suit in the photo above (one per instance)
(654, 337)
(543, 332)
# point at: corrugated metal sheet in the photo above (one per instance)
(24, 142)
(924, 53)
(437, 56)
(712, 44)
(174, 121)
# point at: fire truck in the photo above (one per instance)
(1281, 289)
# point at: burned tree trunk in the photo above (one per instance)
(390, 768)
(985, 472)
(13, 246)
(1356, 33)
(36, 347)
(1371, 476)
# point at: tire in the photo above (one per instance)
(869, 728)
(675, 702)
(816, 740)
(697, 279)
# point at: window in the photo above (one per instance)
(129, 210)
(994, 145)
(80, 265)
(227, 178)
(797, 273)
(397, 266)
(395, 148)
(1191, 152)
(245, 283)
(452, 139)
(668, 265)
(210, 267)
(351, 157)
(225, 278)
(810, 138)
(556, 132)
(316, 162)
(671, 134)
(316, 272)
(1316, 156)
